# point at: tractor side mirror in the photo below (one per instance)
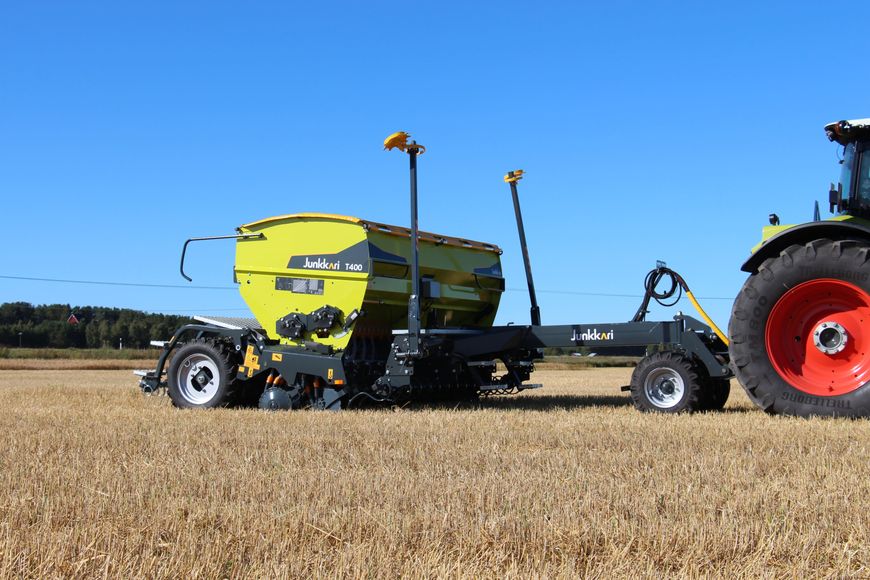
(834, 197)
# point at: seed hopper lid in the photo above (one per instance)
(371, 226)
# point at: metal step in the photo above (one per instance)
(481, 363)
(527, 386)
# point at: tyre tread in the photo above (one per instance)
(674, 360)
(222, 355)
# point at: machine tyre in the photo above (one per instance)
(202, 376)
(666, 382)
(800, 331)
(716, 392)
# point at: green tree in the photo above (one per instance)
(47, 325)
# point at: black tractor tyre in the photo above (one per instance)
(715, 395)
(202, 376)
(666, 382)
(761, 343)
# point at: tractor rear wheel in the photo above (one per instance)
(666, 382)
(201, 376)
(800, 331)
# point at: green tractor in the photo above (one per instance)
(800, 327)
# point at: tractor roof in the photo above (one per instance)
(847, 131)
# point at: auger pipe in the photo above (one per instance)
(512, 177)
(414, 300)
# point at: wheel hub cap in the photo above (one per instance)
(198, 379)
(830, 338)
(817, 336)
(664, 388)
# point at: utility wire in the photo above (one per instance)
(194, 287)
(608, 295)
(194, 309)
(105, 283)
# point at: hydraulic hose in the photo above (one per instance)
(677, 287)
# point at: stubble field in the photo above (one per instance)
(97, 480)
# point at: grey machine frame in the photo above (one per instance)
(418, 358)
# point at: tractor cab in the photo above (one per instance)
(851, 195)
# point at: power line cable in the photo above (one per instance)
(607, 295)
(195, 287)
(194, 309)
(107, 283)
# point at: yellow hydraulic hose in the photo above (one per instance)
(706, 318)
(677, 283)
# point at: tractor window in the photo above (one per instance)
(864, 181)
(846, 171)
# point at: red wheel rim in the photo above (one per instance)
(816, 337)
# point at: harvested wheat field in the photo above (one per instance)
(569, 480)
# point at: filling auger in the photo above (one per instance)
(350, 311)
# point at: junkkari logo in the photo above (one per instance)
(591, 335)
(320, 264)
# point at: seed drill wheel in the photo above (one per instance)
(666, 382)
(201, 376)
(715, 394)
(800, 331)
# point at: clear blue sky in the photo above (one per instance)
(660, 130)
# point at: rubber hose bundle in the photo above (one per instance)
(650, 286)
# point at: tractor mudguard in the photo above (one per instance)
(803, 233)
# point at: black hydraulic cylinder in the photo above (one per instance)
(535, 311)
(414, 300)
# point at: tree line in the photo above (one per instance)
(49, 325)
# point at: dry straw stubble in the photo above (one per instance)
(95, 478)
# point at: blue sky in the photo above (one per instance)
(659, 130)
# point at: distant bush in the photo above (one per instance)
(80, 353)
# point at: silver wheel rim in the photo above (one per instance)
(198, 379)
(664, 388)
